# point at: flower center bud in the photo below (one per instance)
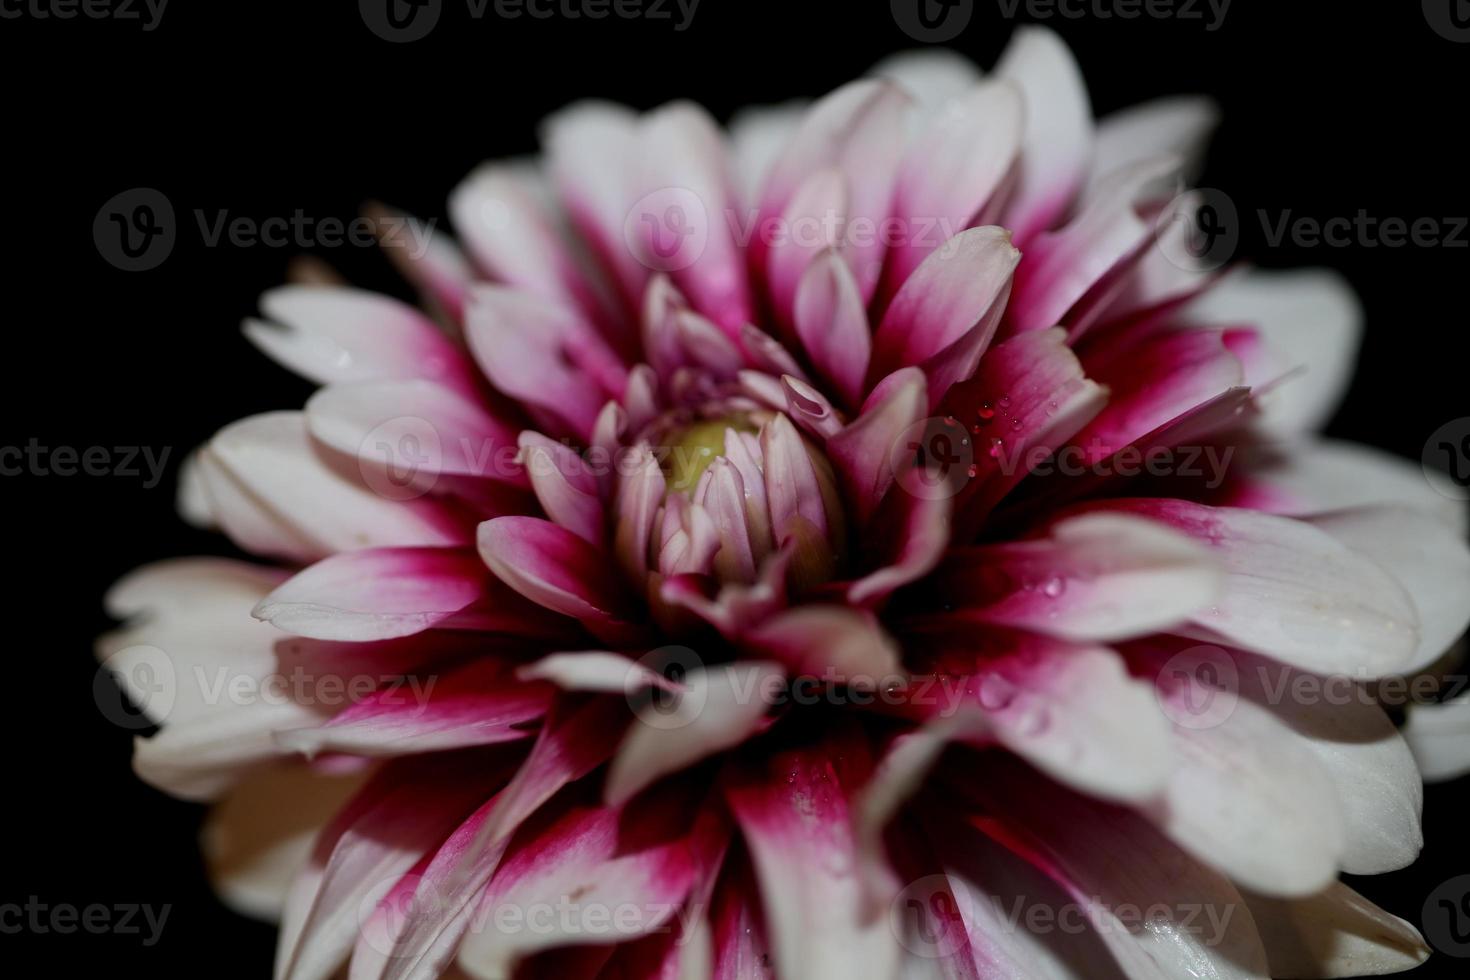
(741, 489)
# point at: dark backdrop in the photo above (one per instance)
(263, 109)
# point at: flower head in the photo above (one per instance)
(782, 552)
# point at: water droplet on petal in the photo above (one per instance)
(996, 692)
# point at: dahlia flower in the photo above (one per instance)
(866, 542)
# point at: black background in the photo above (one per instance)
(264, 109)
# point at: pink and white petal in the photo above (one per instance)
(832, 324)
(1433, 567)
(640, 494)
(1363, 753)
(578, 737)
(1064, 266)
(1439, 736)
(414, 426)
(274, 493)
(1315, 476)
(592, 156)
(809, 408)
(596, 671)
(428, 259)
(1027, 399)
(863, 452)
(916, 540)
(1059, 130)
(739, 944)
(853, 130)
(813, 224)
(792, 487)
(1074, 713)
(254, 847)
(795, 815)
(958, 293)
(1152, 383)
(833, 643)
(554, 568)
(509, 229)
(192, 499)
(757, 135)
(404, 813)
(969, 894)
(1311, 320)
(565, 485)
(681, 147)
(334, 335)
(197, 612)
(1293, 592)
(955, 171)
(1178, 125)
(1097, 578)
(1109, 860)
(479, 703)
(584, 864)
(1336, 933)
(546, 355)
(931, 76)
(187, 639)
(1246, 796)
(718, 708)
(376, 594)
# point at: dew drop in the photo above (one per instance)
(985, 413)
(1054, 587)
(996, 692)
